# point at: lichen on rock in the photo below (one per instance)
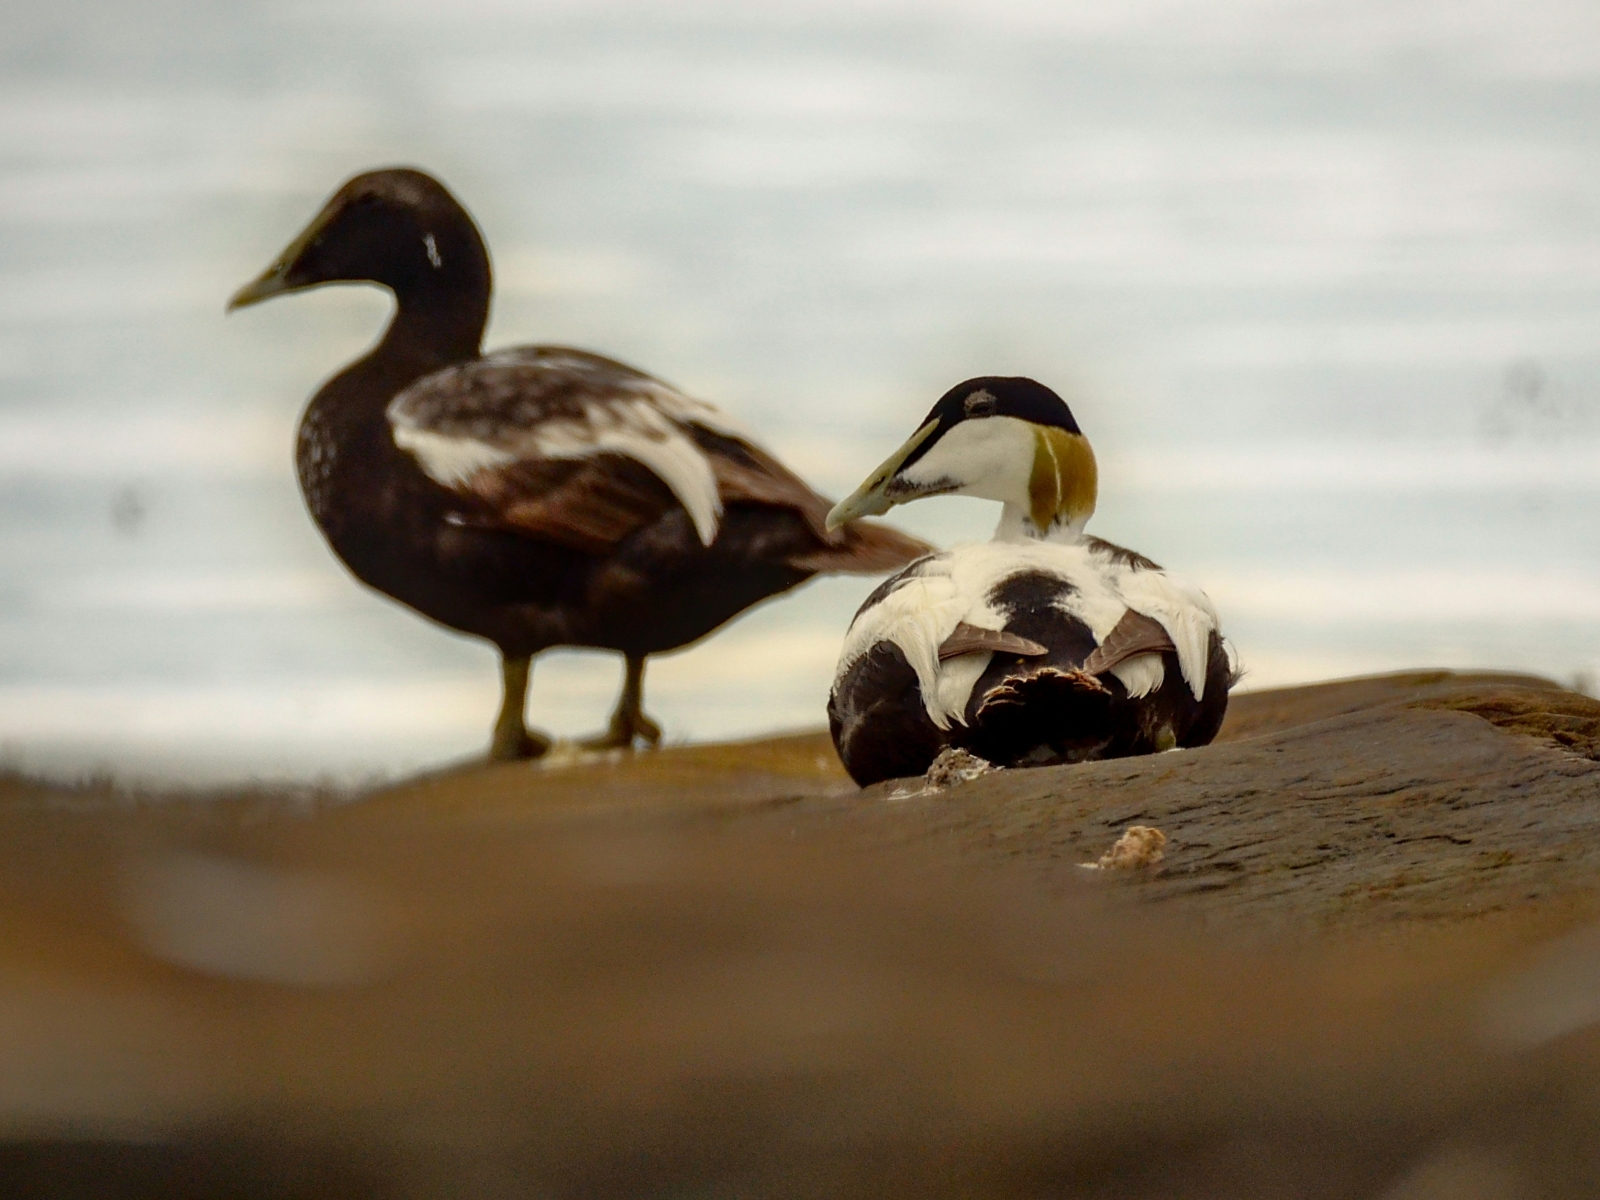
(954, 766)
(1140, 846)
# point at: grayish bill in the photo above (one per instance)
(269, 284)
(868, 500)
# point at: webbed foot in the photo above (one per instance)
(515, 745)
(628, 723)
(625, 729)
(513, 741)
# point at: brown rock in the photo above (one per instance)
(719, 971)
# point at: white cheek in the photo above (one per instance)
(991, 458)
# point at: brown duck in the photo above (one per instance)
(537, 496)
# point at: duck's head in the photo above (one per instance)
(1005, 438)
(398, 228)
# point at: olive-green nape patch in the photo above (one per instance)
(1065, 480)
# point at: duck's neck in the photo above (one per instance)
(436, 325)
(1017, 525)
(345, 440)
(441, 301)
(1057, 499)
(433, 327)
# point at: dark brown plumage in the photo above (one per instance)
(538, 496)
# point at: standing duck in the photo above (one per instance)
(1042, 646)
(537, 496)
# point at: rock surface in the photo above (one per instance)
(724, 971)
(1421, 796)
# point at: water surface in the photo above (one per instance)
(1321, 281)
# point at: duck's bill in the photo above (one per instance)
(280, 276)
(872, 499)
(269, 283)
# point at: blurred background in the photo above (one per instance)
(1321, 281)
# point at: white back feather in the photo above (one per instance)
(448, 459)
(955, 586)
(1184, 611)
(1141, 674)
(917, 617)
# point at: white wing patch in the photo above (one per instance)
(642, 432)
(955, 586)
(642, 418)
(1184, 611)
(446, 459)
(1141, 674)
(922, 612)
(672, 404)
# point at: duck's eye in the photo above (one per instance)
(981, 404)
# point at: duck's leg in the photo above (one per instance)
(512, 737)
(628, 722)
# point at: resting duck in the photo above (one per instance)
(1044, 645)
(537, 496)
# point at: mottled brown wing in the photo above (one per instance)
(970, 639)
(1134, 634)
(870, 548)
(518, 437)
(509, 392)
(552, 442)
(590, 504)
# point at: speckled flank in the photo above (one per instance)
(316, 457)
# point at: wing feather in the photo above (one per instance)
(589, 504)
(491, 429)
(1134, 634)
(747, 473)
(570, 447)
(970, 639)
(1184, 611)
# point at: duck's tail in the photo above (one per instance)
(1042, 715)
(863, 548)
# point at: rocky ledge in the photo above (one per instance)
(1349, 951)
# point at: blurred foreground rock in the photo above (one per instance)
(1368, 965)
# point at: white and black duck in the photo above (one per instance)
(1045, 645)
(536, 496)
